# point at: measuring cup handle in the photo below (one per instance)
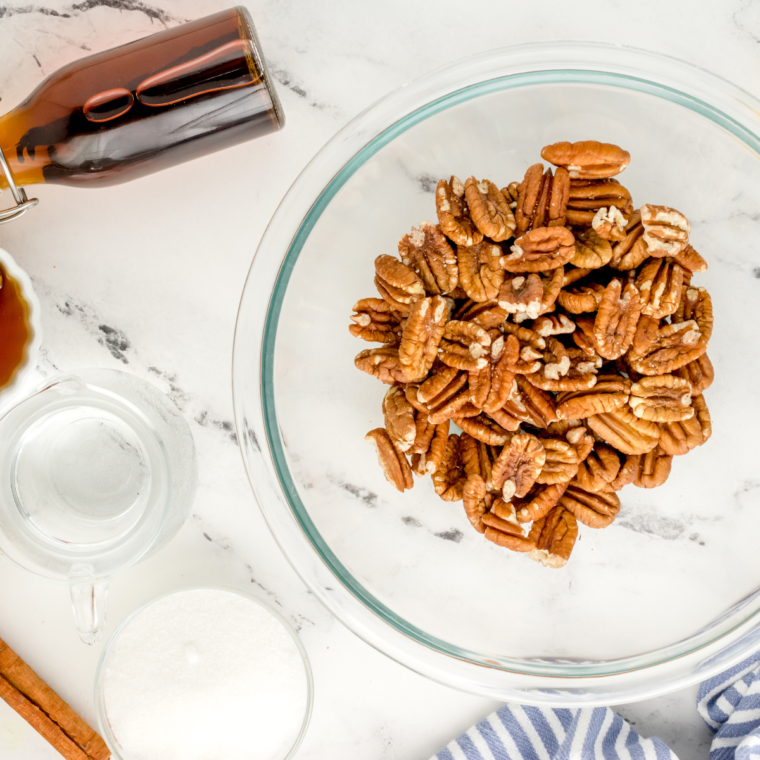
(89, 603)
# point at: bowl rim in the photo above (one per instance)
(519, 61)
(33, 345)
(99, 691)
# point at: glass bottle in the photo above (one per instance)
(142, 107)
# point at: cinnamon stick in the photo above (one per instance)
(46, 712)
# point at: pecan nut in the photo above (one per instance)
(427, 461)
(674, 346)
(624, 431)
(699, 373)
(554, 537)
(480, 271)
(553, 324)
(581, 441)
(489, 209)
(500, 373)
(444, 393)
(374, 321)
(399, 418)
(449, 479)
(382, 363)
(653, 468)
(541, 199)
(599, 469)
(539, 501)
(678, 438)
(632, 250)
(561, 463)
(666, 231)
(609, 393)
(522, 296)
(596, 510)
(478, 458)
(487, 314)
(609, 223)
(664, 398)
(587, 197)
(454, 214)
(465, 345)
(591, 250)
(397, 283)
(627, 473)
(588, 159)
(518, 465)
(474, 497)
(483, 429)
(583, 299)
(660, 283)
(538, 405)
(690, 259)
(422, 333)
(580, 375)
(616, 320)
(427, 252)
(696, 304)
(503, 529)
(393, 462)
(541, 249)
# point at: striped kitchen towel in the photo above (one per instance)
(729, 704)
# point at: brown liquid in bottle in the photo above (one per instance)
(145, 106)
(15, 330)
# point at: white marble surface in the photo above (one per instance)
(147, 277)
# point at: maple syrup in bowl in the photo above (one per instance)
(20, 328)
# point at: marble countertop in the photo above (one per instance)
(146, 278)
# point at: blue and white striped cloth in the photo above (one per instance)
(729, 703)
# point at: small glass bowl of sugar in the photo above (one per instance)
(204, 674)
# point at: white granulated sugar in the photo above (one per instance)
(205, 674)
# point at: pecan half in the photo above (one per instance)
(374, 321)
(581, 373)
(478, 458)
(538, 503)
(474, 498)
(393, 462)
(542, 199)
(591, 250)
(616, 319)
(561, 463)
(399, 418)
(483, 429)
(627, 473)
(449, 479)
(444, 393)
(487, 314)
(587, 159)
(480, 271)
(646, 332)
(428, 253)
(503, 530)
(609, 223)
(489, 209)
(551, 284)
(632, 250)
(596, 510)
(678, 438)
(465, 345)
(581, 441)
(454, 214)
(660, 282)
(518, 465)
(553, 324)
(699, 373)
(665, 398)
(609, 393)
(626, 432)
(422, 333)
(666, 231)
(538, 404)
(539, 250)
(690, 259)
(500, 373)
(382, 363)
(674, 346)
(554, 537)
(522, 295)
(583, 337)
(397, 284)
(653, 468)
(696, 304)
(583, 299)
(587, 197)
(573, 274)
(428, 461)
(599, 469)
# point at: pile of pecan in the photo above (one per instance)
(571, 357)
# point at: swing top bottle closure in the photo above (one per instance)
(139, 108)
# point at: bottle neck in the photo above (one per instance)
(26, 168)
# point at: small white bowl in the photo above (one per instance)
(20, 379)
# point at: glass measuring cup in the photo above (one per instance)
(97, 471)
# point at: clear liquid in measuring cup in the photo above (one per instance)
(81, 476)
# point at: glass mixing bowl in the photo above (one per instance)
(668, 594)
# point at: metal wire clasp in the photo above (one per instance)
(23, 204)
